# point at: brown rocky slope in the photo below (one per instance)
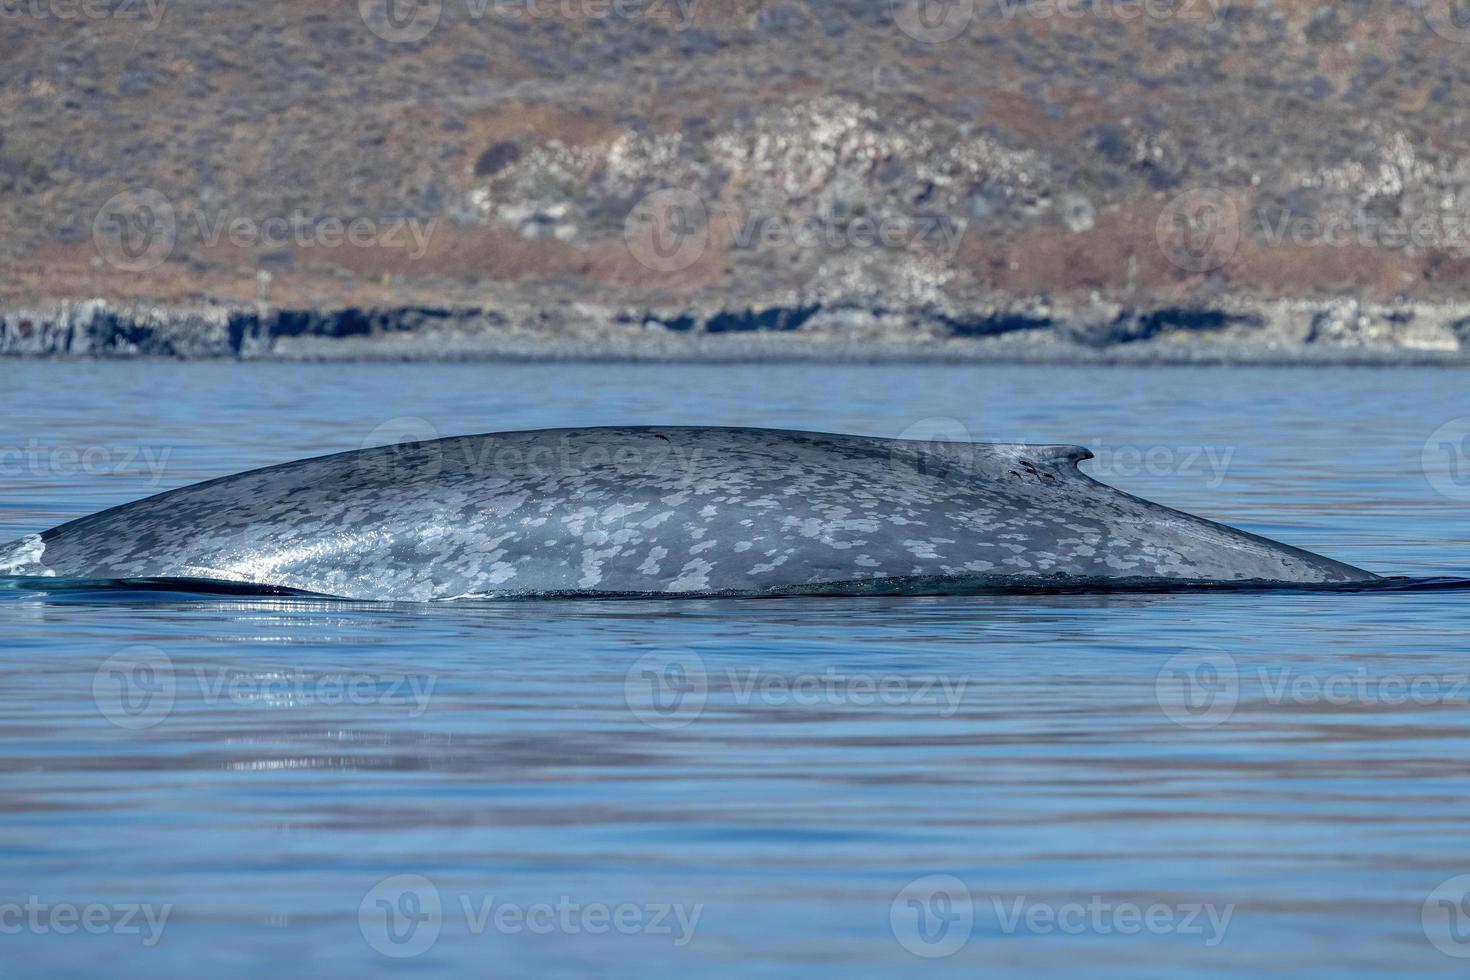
(1183, 179)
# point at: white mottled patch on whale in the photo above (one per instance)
(808, 527)
(768, 566)
(592, 559)
(618, 512)
(693, 577)
(651, 564)
(578, 519)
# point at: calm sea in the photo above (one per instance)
(1134, 786)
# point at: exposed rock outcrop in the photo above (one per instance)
(1235, 332)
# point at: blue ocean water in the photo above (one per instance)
(1227, 784)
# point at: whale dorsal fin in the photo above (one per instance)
(1058, 455)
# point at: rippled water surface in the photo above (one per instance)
(1130, 785)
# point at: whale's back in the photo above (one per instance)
(661, 510)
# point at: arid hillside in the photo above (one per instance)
(978, 164)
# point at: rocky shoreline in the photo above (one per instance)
(1249, 181)
(1033, 330)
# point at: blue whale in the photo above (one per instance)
(664, 510)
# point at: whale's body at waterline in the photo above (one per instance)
(662, 510)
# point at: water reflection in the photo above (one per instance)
(798, 769)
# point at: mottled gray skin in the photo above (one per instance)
(664, 510)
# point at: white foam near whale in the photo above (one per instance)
(663, 510)
(24, 557)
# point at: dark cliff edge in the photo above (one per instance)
(1243, 332)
